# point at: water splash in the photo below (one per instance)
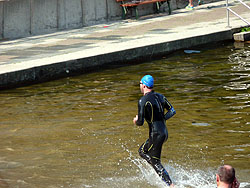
(189, 178)
(182, 177)
(148, 173)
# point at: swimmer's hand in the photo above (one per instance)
(135, 119)
(172, 185)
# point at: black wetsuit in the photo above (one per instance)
(151, 108)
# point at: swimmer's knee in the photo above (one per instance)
(141, 151)
(145, 156)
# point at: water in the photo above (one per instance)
(78, 132)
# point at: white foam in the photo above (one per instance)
(145, 176)
(182, 178)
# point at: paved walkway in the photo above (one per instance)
(80, 48)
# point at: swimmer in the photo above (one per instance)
(151, 108)
(225, 177)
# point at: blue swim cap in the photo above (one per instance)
(148, 80)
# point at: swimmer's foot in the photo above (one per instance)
(189, 7)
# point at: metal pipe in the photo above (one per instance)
(228, 25)
(239, 16)
(228, 9)
(244, 4)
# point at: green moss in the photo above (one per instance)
(245, 29)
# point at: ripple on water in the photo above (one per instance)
(200, 124)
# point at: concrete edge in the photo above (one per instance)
(79, 66)
(242, 36)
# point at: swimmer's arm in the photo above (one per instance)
(170, 113)
(139, 119)
(170, 109)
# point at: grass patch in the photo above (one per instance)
(245, 29)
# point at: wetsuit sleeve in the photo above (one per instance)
(170, 109)
(140, 120)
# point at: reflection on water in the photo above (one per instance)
(78, 132)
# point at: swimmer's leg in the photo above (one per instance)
(161, 171)
(143, 152)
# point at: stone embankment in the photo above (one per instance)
(45, 57)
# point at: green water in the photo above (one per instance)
(78, 131)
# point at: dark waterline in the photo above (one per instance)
(78, 131)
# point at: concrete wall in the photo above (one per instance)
(16, 15)
(95, 11)
(43, 15)
(1, 19)
(21, 18)
(70, 14)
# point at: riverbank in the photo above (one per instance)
(61, 54)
